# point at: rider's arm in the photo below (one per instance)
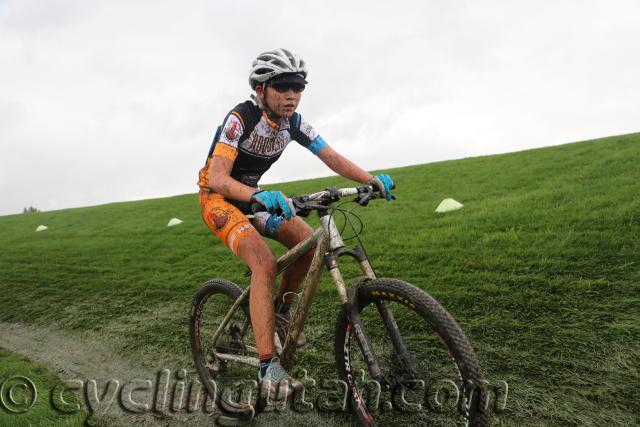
(224, 155)
(343, 166)
(221, 182)
(306, 136)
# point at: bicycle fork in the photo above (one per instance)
(350, 306)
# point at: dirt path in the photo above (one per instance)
(116, 391)
(102, 380)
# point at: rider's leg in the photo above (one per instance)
(290, 234)
(253, 250)
(234, 229)
(275, 382)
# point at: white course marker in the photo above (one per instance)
(448, 205)
(41, 228)
(174, 221)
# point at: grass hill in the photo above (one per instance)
(541, 269)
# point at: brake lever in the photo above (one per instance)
(334, 194)
(365, 194)
(300, 204)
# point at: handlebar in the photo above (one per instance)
(333, 194)
(321, 200)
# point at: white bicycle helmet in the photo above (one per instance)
(275, 63)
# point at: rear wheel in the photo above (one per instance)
(225, 381)
(430, 374)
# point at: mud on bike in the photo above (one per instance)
(393, 342)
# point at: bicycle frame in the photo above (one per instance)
(328, 247)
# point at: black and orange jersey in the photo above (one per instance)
(254, 142)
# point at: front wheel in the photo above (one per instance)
(429, 374)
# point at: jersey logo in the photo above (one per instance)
(232, 131)
(266, 142)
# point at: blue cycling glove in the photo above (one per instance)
(275, 203)
(383, 183)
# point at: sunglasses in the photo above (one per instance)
(285, 87)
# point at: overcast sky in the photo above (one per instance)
(104, 101)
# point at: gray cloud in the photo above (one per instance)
(108, 101)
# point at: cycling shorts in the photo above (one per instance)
(230, 224)
(225, 220)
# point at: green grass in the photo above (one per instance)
(24, 377)
(541, 269)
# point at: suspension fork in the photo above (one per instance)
(389, 321)
(331, 260)
(396, 339)
(390, 324)
(347, 297)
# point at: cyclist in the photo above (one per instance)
(251, 138)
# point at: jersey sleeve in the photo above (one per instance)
(304, 134)
(232, 129)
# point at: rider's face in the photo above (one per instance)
(283, 104)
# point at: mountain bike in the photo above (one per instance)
(393, 342)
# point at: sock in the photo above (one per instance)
(265, 361)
